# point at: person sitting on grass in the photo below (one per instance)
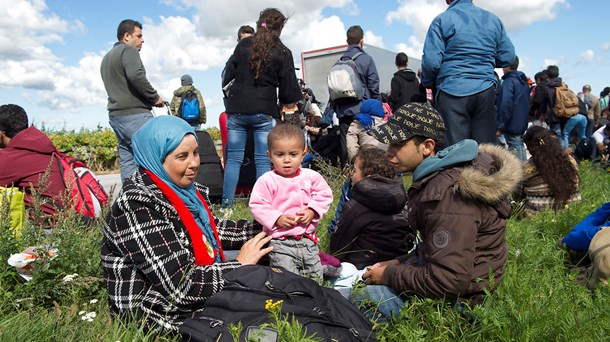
(163, 249)
(550, 175)
(373, 225)
(458, 202)
(289, 202)
(27, 162)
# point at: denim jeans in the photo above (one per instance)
(469, 117)
(556, 128)
(124, 127)
(237, 131)
(378, 302)
(515, 144)
(578, 122)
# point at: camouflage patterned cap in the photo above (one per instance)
(410, 120)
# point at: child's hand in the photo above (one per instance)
(286, 221)
(306, 216)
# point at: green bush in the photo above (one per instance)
(98, 148)
(539, 298)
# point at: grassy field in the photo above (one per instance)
(539, 299)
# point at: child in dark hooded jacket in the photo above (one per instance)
(372, 225)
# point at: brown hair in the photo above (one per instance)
(285, 132)
(267, 38)
(555, 167)
(374, 162)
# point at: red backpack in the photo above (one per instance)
(86, 192)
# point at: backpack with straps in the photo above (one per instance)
(85, 191)
(189, 107)
(344, 83)
(322, 312)
(566, 102)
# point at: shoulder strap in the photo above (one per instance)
(358, 54)
(353, 58)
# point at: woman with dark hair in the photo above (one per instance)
(551, 176)
(262, 71)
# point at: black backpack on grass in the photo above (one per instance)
(323, 312)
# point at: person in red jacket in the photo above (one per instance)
(26, 162)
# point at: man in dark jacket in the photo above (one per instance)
(25, 159)
(404, 83)
(547, 100)
(370, 79)
(458, 202)
(512, 103)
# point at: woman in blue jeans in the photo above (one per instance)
(262, 72)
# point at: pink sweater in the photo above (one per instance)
(274, 195)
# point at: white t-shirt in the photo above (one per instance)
(600, 136)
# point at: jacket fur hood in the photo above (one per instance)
(493, 175)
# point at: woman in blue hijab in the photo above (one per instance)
(162, 251)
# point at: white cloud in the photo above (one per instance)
(420, 13)
(516, 14)
(553, 61)
(371, 39)
(606, 46)
(27, 62)
(587, 56)
(413, 49)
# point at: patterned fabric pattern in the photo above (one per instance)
(148, 261)
(537, 193)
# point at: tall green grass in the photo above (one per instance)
(539, 299)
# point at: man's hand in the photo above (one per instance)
(160, 102)
(286, 221)
(306, 216)
(253, 250)
(374, 273)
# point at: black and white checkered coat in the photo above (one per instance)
(148, 261)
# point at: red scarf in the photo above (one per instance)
(202, 258)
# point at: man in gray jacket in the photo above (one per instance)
(130, 95)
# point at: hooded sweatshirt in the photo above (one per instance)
(373, 223)
(460, 210)
(403, 86)
(23, 164)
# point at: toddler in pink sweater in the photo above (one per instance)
(290, 202)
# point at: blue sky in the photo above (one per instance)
(51, 49)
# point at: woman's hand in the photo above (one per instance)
(252, 251)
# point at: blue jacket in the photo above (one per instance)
(463, 46)
(512, 103)
(579, 238)
(368, 76)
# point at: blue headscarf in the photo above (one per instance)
(151, 144)
(368, 109)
